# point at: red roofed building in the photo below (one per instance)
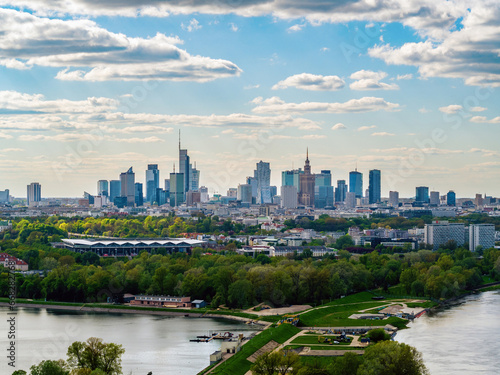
(8, 261)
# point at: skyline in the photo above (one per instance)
(89, 90)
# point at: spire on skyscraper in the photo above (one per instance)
(179, 139)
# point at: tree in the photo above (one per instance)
(19, 372)
(348, 364)
(50, 368)
(344, 241)
(94, 354)
(276, 363)
(392, 358)
(378, 334)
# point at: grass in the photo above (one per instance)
(310, 339)
(323, 347)
(238, 363)
(425, 305)
(319, 361)
(491, 288)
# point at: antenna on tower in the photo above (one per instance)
(174, 167)
(356, 167)
(179, 139)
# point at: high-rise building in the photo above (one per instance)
(422, 194)
(307, 184)
(195, 178)
(291, 178)
(232, 192)
(289, 196)
(167, 185)
(481, 235)
(323, 189)
(350, 199)
(177, 191)
(88, 197)
(115, 188)
(340, 191)
(103, 188)
(127, 186)
(184, 166)
(4, 196)
(356, 183)
(252, 181)
(440, 232)
(434, 198)
(451, 198)
(34, 193)
(374, 188)
(394, 198)
(262, 174)
(152, 182)
(479, 200)
(138, 195)
(161, 196)
(244, 194)
(204, 194)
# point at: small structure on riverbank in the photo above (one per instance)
(161, 301)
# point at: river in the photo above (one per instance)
(152, 343)
(463, 339)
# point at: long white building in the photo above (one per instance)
(481, 235)
(440, 232)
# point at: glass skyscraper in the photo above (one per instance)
(374, 194)
(114, 189)
(152, 182)
(356, 183)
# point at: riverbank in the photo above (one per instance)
(130, 310)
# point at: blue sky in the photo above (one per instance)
(407, 87)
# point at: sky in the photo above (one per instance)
(410, 87)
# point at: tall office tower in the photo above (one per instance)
(323, 189)
(481, 235)
(262, 174)
(34, 193)
(177, 191)
(89, 197)
(356, 183)
(115, 188)
(252, 181)
(4, 196)
(161, 196)
(394, 198)
(422, 194)
(440, 232)
(232, 192)
(167, 184)
(451, 198)
(195, 178)
(479, 200)
(434, 198)
(127, 186)
(204, 194)
(138, 195)
(244, 193)
(103, 188)
(340, 191)
(291, 178)
(289, 196)
(152, 182)
(184, 166)
(307, 184)
(374, 194)
(350, 199)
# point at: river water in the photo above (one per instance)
(152, 343)
(463, 339)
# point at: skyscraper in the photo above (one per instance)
(177, 191)
(244, 194)
(127, 186)
(394, 198)
(262, 174)
(323, 189)
(307, 184)
(291, 178)
(340, 191)
(34, 193)
(481, 235)
(451, 198)
(289, 196)
(139, 197)
(184, 166)
(195, 179)
(152, 182)
(356, 183)
(434, 198)
(422, 194)
(252, 181)
(374, 194)
(114, 189)
(102, 188)
(4, 196)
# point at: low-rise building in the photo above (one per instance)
(161, 301)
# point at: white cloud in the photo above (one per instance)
(404, 76)
(484, 119)
(12, 150)
(250, 87)
(86, 51)
(5, 136)
(451, 109)
(311, 82)
(234, 27)
(382, 134)
(325, 49)
(339, 126)
(478, 109)
(363, 128)
(193, 25)
(424, 110)
(369, 80)
(365, 104)
(295, 28)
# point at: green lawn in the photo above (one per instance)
(425, 305)
(309, 339)
(238, 363)
(324, 347)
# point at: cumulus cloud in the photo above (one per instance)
(382, 134)
(312, 82)
(484, 119)
(193, 25)
(451, 109)
(87, 52)
(363, 128)
(369, 80)
(339, 126)
(404, 76)
(365, 104)
(295, 28)
(469, 52)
